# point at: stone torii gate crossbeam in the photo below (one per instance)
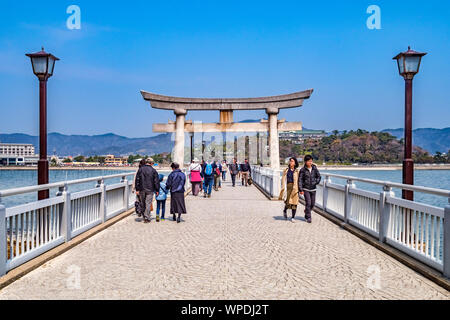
(226, 106)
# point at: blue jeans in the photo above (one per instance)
(161, 204)
(207, 185)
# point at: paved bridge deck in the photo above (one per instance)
(232, 246)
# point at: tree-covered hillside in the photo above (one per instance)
(358, 146)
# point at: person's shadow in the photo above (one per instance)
(281, 218)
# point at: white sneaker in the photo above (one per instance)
(292, 220)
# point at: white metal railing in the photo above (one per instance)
(267, 179)
(27, 231)
(419, 230)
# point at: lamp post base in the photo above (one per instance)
(43, 178)
(408, 178)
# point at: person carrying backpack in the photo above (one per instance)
(208, 178)
(161, 199)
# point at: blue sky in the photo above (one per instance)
(222, 49)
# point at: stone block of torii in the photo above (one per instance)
(226, 106)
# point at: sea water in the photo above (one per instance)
(10, 179)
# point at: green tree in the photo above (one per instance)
(439, 157)
(79, 159)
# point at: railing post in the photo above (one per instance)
(264, 179)
(276, 183)
(384, 212)
(3, 243)
(66, 216)
(325, 193)
(101, 185)
(446, 247)
(186, 182)
(125, 193)
(348, 200)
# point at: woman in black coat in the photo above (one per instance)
(175, 184)
(308, 180)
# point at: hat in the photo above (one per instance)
(149, 160)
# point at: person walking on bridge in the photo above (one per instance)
(208, 171)
(224, 170)
(234, 170)
(195, 176)
(175, 184)
(147, 184)
(289, 188)
(246, 171)
(217, 175)
(138, 205)
(308, 180)
(161, 199)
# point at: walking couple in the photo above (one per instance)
(295, 183)
(243, 169)
(148, 183)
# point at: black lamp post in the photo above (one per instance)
(43, 64)
(408, 66)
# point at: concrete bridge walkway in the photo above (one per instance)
(234, 245)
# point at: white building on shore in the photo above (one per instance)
(17, 154)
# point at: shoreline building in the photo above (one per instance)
(13, 154)
(299, 136)
(111, 160)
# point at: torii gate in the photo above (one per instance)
(272, 105)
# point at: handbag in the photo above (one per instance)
(139, 208)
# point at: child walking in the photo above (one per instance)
(161, 199)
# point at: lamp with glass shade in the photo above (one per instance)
(43, 64)
(408, 63)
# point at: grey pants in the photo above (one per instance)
(146, 199)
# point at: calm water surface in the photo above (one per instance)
(10, 179)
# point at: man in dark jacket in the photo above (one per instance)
(308, 179)
(234, 170)
(147, 184)
(246, 172)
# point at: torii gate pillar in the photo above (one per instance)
(274, 145)
(180, 115)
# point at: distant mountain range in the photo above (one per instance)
(429, 139)
(95, 145)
